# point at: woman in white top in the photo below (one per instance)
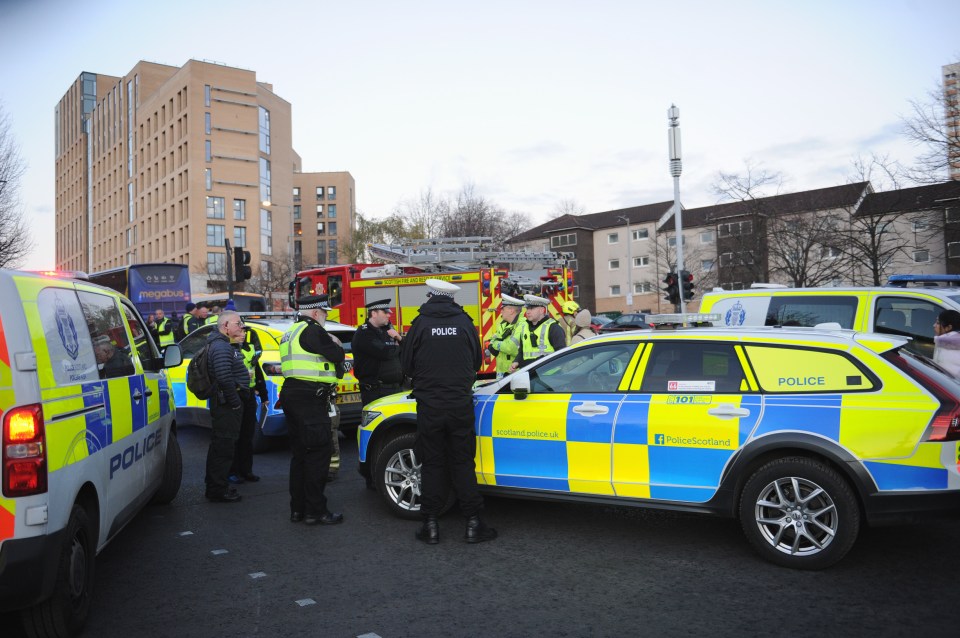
(946, 350)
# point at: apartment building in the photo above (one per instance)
(164, 163)
(324, 213)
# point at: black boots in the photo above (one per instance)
(477, 531)
(429, 532)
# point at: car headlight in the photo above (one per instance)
(369, 416)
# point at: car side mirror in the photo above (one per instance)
(172, 356)
(520, 385)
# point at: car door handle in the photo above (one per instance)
(727, 411)
(137, 395)
(149, 393)
(590, 408)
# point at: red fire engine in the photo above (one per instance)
(483, 275)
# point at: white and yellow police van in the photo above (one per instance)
(88, 439)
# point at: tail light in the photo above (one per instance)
(24, 452)
(486, 280)
(945, 423)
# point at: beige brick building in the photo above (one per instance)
(165, 163)
(324, 209)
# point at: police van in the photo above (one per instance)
(88, 439)
(892, 309)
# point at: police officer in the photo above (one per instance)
(191, 320)
(164, 328)
(441, 353)
(505, 345)
(542, 334)
(376, 354)
(214, 315)
(242, 469)
(226, 407)
(308, 360)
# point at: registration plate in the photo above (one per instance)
(353, 397)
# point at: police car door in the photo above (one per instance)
(692, 411)
(558, 437)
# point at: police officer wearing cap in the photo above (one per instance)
(376, 353)
(505, 345)
(190, 320)
(542, 334)
(309, 357)
(441, 354)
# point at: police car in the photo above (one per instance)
(89, 438)
(194, 411)
(800, 433)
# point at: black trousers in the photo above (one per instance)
(311, 443)
(446, 445)
(375, 392)
(243, 455)
(223, 443)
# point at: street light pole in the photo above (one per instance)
(676, 166)
(629, 265)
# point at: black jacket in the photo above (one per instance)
(227, 369)
(441, 353)
(376, 356)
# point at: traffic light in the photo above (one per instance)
(672, 289)
(686, 282)
(241, 269)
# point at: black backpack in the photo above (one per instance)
(198, 375)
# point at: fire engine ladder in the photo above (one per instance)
(456, 250)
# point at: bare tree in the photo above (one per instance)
(932, 125)
(272, 276)
(423, 216)
(15, 241)
(805, 249)
(369, 231)
(567, 206)
(665, 261)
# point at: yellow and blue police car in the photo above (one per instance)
(194, 411)
(802, 433)
(89, 438)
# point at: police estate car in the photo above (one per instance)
(89, 438)
(194, 411)
(800, 433)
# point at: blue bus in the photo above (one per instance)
(150, 286)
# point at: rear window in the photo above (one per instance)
(808, 311)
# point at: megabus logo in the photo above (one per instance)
(672, 440)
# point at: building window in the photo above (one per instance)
(953, 249)
(332, 211)
(264, 131)
(208, 178)
(953, 214)
(642, 288)
(614, 291)
(572, 265)
(735, 228)
(266, 244)
(672, 241)
(240, 209)
(921, 256)
(706, 237)
(559, 241)
(331, 192)
(206, 123)
(214, 234)
(613, 264)
(320, 192)
(319, 211)
(829, 252)
(726, 259)
(266, 232)
(296, 212)
(321, 228)
(297, 230)
(706, 265)
(206, 95)
(321, 251)
(613, 238)
(296, 193)
(639, 234)
(265, 180)
(239, 236)
(332, 251)
(640, 262)
(208, 149)
(331, 228)
(215, 207)
(217, 265)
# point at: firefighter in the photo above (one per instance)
(308, 360)
(441, 354)
(568, 312)
(376, 353)
(542, 334)
(505, 345)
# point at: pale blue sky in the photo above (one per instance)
(532, 101)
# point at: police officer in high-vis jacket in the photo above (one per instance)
(376, 353)
(441, 354)
(541, 334)
(164, 329)
(308, 360)
(505, 345)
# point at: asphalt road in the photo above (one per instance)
(195, 568)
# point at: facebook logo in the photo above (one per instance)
(658, 439)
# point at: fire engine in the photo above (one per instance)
(482, 273)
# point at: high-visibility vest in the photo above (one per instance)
(165, 339)
(506, 341)
(531, 352)
(211, 319)
(249, 355)
(297, 363)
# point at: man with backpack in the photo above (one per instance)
(231, 383)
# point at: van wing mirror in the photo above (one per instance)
(172, 356)
(520, 385)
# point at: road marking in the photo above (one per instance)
(186, 534)
(305, 602)
(256, 575)
(217, 552)
(370, 635)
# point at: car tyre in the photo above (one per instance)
(396, 477)
(172, 472)
(66, 611)
(798, 512)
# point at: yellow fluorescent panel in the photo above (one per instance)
(631, 464)
(588, 461)
(486, 468)
(536, 417)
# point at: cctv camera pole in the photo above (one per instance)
(676, 166)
